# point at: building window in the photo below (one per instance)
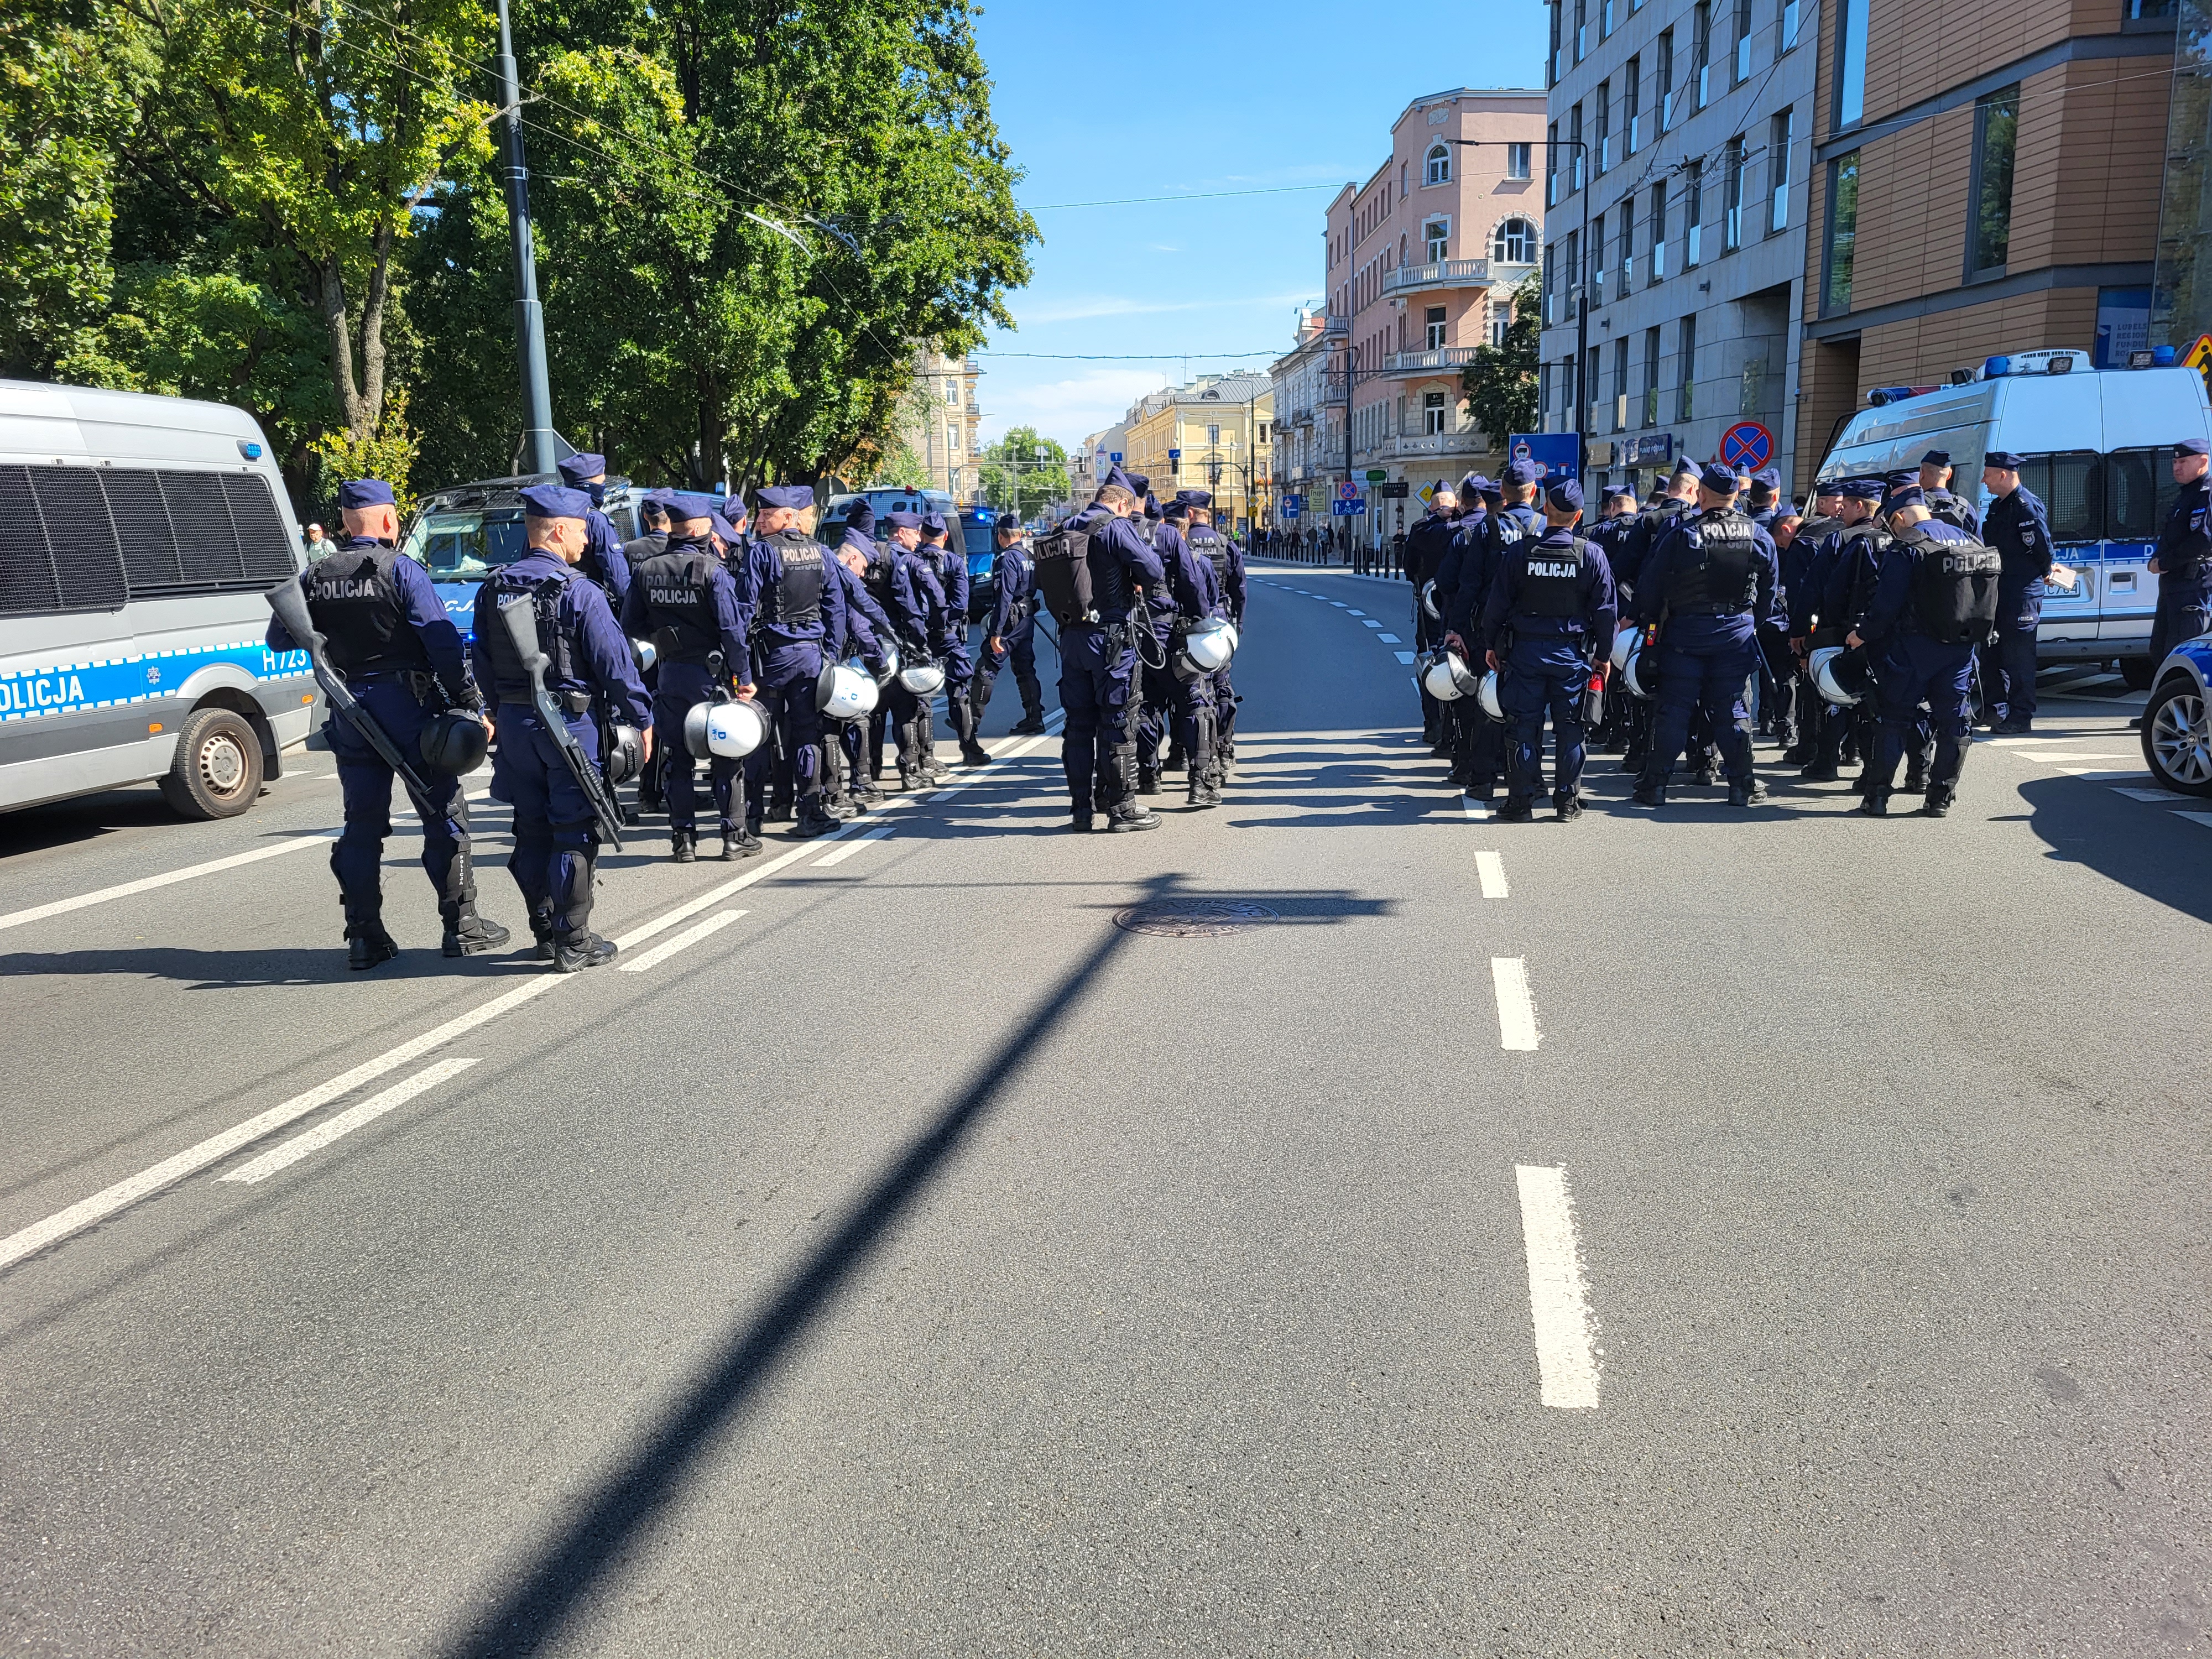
(1581, 29)
(1436, 327)
(1788, 24)
(1627, 217)
(1732, 195)
(1701, 50)
(1213, 436)
(1631, 105)
(1842, 235)
(1742, 41)
(1543, 385)
(1778, 173)
(1652, 376)
(952, 391)
(1604, 19)
(1553, 62)
(1514, 243)
(1576, 152)
(1604, 127)
(1686, 367)
(1552, 167)
(1693, 213)
(1501, 321)
(1656, 232)
(1436, 169)
(1591, 389)
(1996, 125)
(1597, 275)
(1551, 282)
(1517, 160)
(1850, 62)
(1432, 414)
(1662, 90)
(952, 440)
(1437, 235)
(1620, 385)
(1574, 273)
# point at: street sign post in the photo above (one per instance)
(1347, 491)
(1746, 447)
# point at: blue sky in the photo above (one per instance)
(1261, 97)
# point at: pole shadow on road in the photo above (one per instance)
(531, 1608)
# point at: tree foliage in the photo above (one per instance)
(1500, 381)
(1025, 472)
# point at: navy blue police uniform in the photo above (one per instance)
(846, 786)
(1482, 740)
(951, 642)
(386, 632)
(2185, 564)
(2019, 527)
(1013, 626)
(1099, 669)
(1222, 562)
(1427, 544)
(789, 605)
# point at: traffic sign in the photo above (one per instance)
(1555, 455)
(1175, 454)
(1746, 447)
(2199, 357)
(1426, 492)
(1347, 491)
(1376, 475)
(1346, 509)
(1292, 506)
(1116, 458)
(1396, 490)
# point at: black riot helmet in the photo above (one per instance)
(625, 756)
(454, 742)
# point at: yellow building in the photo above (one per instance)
(1217, 434)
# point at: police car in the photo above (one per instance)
(2097, 445)
(2176, 721)
(463, 533)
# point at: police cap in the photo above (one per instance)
(555, 502)
(1862, 489)
(932, 524)
(1177, 509)
(1473, 483)
(689, 504)
(1684, 468)
(1116, 478)
(1195, 497)
(1517, 473)
(1564, 496)
(364, 492)
(659, 497)
(1910, 494)
(2003, 459)
(2191, 447)
(1936, 457)
(792, 495)
(860, 516)
(1770, 479)
(582, 467)
(1719, 477)
(722, 526)
(1139, 485)
(904, 521)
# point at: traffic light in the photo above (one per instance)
(1174, 464)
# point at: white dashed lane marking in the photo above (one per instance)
(829, 860)
(1516, 1013)
(1402, 656)
(1490, 870)
(1559, 1296)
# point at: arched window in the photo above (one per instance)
(1436, 169)
(1514, 243)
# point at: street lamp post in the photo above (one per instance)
(1576, 289)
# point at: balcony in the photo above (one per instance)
(1437, 273)
(1302, 416)
(1465, 442)
(1333, 324)
(1427, 363)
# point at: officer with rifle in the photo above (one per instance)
(390, 663)
(546, 646)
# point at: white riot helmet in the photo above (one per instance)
(1207, 648)
(845, 692)
(724, 731)
(1486, 695)
(1635, 663)
(1840, 676)
(922, 678)
(1448, 678)
(1235, 639)
(643, 650)
(1429, 602)
(1624, 642)
(887, 663)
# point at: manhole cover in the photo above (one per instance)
(1192, 918)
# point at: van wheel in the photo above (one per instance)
(217, 770)
(2177, 737)
(2136, 672)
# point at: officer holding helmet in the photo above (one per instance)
(2019, 529)
(386, 630)
(1713, 581)
(846, 786)
(906, 588)
(1426, 545)
(1099, 663)
(1012, 637)
(556, 836)
(1552, 598)
(683, 599)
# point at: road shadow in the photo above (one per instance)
(2159, 854)
(544, 1592)
(236, 970)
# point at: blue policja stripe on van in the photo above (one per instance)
(117, 682)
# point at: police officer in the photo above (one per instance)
(1800, 559)
(1188, 550)
(1514, 521)
(1222, 561)
(1012, 634)
(386, 632)
(2019, 528)
(868, 630)
(1934, 600)
(1652, 526)
(602, 554)
(1551, 601)
(959, 664)
(2183, 560)
(1156, 689)
(789, 604)
(1610, 533)
(1426, 546)
(1763, 498)
(907, 590)
(1712, 580)
(1934, 482)
(652, 513)
(685, 600)
(1466, 528)
(1098, 662)
(1839, 582)
(556, 836)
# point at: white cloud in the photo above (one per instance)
(1066, 409)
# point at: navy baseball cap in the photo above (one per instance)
(1936, 457)
(1718, 476)
(2003, 459)
(581, 469)
(793, 496)
(2191, 447)
(365, 492)
(555, 502)
(1517, 473)
(1565, 496)
(691, 504)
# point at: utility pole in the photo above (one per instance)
(540, 443)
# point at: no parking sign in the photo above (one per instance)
(1746, 447)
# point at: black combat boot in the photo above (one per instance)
(1651, 787)
(683, 846)
(1128, 815)
(579, 949)
(1029, 726)
(1745, 791)
(1518, 809)
(1942, 791)
(812, 820)
(739, 842)
(1568, 804)
(1148, 778)
(368, 945)
(1082, 818)
(467, 933)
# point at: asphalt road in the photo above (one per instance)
(1706, 1232)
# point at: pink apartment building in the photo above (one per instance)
(1420, 259)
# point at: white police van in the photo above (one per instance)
(137, 536)
(2098, 447)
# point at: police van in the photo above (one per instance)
(967, 532)
(464, 531)
(137, 536)
(2097, 446)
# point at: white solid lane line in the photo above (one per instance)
(1491, 869)
(147, 883)
(123, 1194)
(1559, 1297)
(1517, 1014)
(852, 847)
(669, 947)
(283, 1156)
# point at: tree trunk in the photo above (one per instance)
(372, 335)
(340, 334)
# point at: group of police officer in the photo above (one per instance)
(551, 672)
(1856, 631)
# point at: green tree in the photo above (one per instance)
(1025, 472)
(1500, 381)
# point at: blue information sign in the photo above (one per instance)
(1557, 454)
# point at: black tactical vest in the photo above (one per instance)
(680, 600)
(1551, 582)
(798, 592)
(1724, 581)
(1954, 588)
(1206, 543)
(508, 677)
(357, 608)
